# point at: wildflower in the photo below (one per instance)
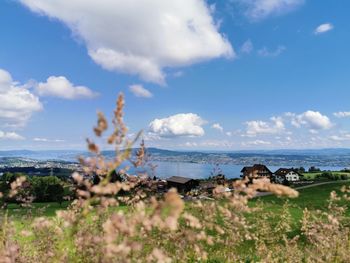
(102, 124)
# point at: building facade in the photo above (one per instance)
(290, 175)
(256, 171)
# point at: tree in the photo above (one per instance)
(313, 169)
(42, 186)
(301, 170)
(55, 193)
(5, 183)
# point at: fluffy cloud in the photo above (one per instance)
(61, 87)
(218, 127)
(183, 124)
(140, 91)
(260, 127)
(138, 36)
(17, 103)
(323, 28)
(10, 136)
(342, 114)
(311, 119)
(259, 9)
(47, 140)
(264, 52)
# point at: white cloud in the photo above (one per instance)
(259, 9)
(323, 28)
(218, 127)
(229, 133)
(311, 119)
(260, 127)
(61, 87)
(47, 140)
(216, 144)
(139, 36)
(17, 103)
(264, 52)
(178, 74)
(340, 138)
(247, 47)
(140, 91)
(312, 131)
(183, 124)
(342, 114)
(149, 136)
(191, 144)
(10, 136)
(256, 143)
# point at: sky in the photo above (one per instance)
(196, 74)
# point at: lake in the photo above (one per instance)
(201, 171)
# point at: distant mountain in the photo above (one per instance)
(326, 151)
(64, 155)
(312, 157)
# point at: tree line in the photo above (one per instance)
(39, 188)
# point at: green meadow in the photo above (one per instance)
(313, 198)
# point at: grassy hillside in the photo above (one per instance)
(311, 198)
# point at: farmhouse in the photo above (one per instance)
(290, 175)
(182, 184)
(256, 171)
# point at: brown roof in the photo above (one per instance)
(256, 167)
(179, 179)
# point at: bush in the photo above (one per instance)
(47, 189)
(344, 177)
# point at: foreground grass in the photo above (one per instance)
(315, 198)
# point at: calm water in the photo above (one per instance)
(200, 171)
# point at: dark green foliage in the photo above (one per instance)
(56, 192)
(41, 188)
(313, 169)
(301, 170)
(44, 189)
(332, 176)
(6, 180)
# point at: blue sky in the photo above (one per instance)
(213, 75)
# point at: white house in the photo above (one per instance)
(290, 175)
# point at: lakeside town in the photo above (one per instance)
(186, 185)
(295, 158)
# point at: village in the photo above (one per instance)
(202, 188)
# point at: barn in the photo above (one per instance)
(182, 184)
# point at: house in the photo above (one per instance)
(208, 187)
(291, 175)
(182, 184)
(256, 171)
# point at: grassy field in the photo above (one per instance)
(37, 209)
(316, 175)
(312, 198)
